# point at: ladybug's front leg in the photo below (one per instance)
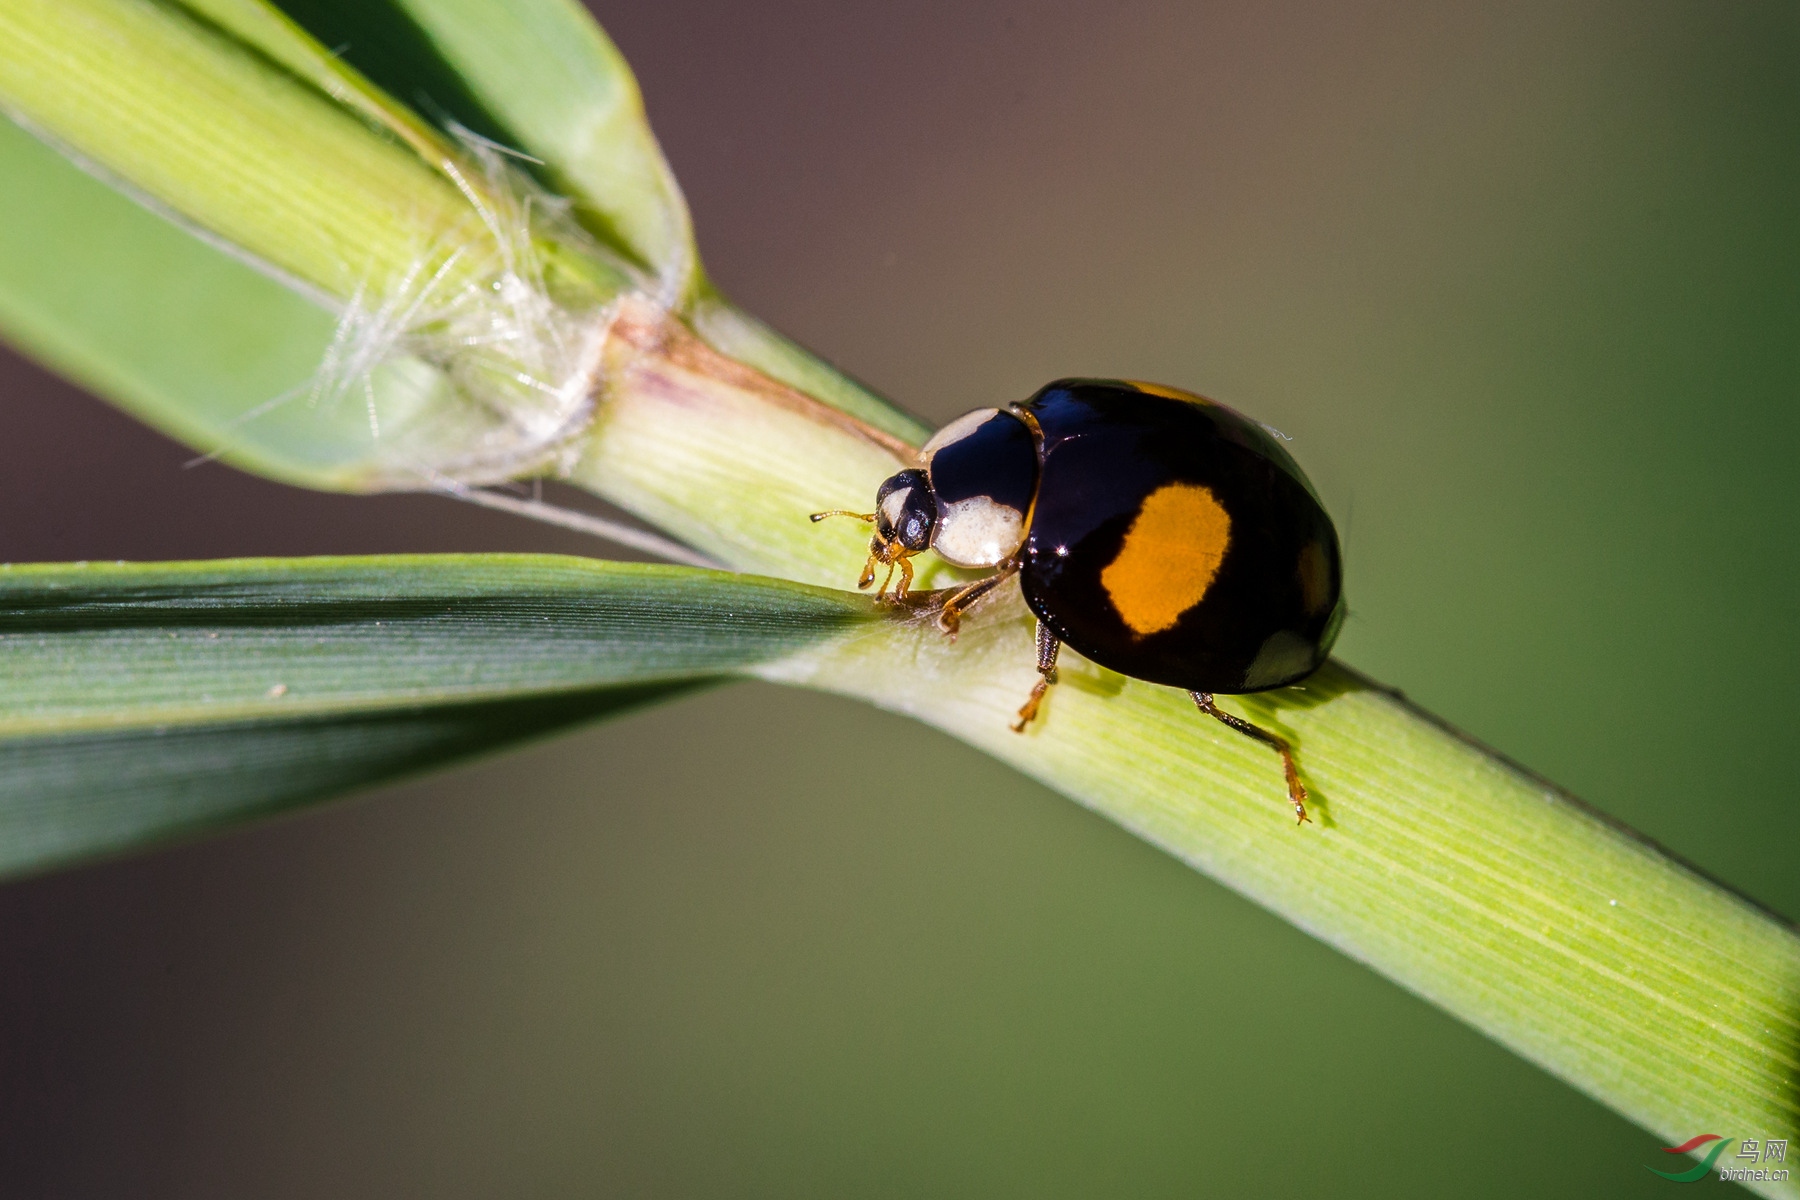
(1047, 646)
(904, 562)
(950, 615)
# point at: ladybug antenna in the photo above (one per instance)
(842, 512)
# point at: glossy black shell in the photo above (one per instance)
(1274, 605)
(997, 460)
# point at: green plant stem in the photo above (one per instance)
(1562, 935)
(236, 145)
(1462, 878)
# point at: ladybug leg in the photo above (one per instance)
(906, 577)
(1296, 789)
(1047, 646)
(868, 575)
(950, 615)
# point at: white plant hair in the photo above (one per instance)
(468, 369)
(472, 373)
(467, 378)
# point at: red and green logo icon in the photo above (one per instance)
(1705, 1165)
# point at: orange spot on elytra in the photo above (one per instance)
(1171, 554)
(1315, 579)
(1167, 392)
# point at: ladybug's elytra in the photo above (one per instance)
(1158, 533)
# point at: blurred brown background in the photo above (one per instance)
(1521, 282)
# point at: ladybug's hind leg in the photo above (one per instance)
(1296, 789)
(1047, 646)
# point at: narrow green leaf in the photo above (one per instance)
(1460, 877)
(138, 700)
(87, 646)
(481, 84)
(559, 87)
(1562, 936)
(266, 28)
(539, 75)
(175, 108)
(228, 115)
(197, 337)
(138, 787)
(170, 328)
(470, 307)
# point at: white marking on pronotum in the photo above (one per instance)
(978, 532)
(956, 431)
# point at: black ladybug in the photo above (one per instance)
(1158, 533)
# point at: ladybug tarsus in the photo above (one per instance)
(1047, 647)
(1296, 789)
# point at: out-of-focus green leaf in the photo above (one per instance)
(239, 123)
(141, 700)
(542, 77)
(293, 162)
(281, 180)
(172, 329)
(192, 119)
(263, 26)
(142, 786)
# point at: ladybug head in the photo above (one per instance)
(906, 511)
(905, 520)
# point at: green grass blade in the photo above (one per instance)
(1485, 890)
(173, 330)
(296, 165)
(195, 121)
(536, 75)
(67, 797)
(264, 27)
(234, 119)
(539, 75)
(1451, 872)
(1561, 935)
(196, 336)
(140, 700)
(110, 645)
(552, 84)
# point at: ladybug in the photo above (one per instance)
(1158, 533)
